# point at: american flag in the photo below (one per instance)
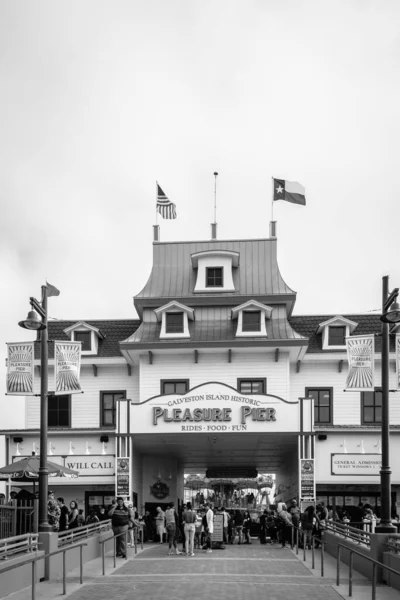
(165, 207)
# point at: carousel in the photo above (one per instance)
(251, 494)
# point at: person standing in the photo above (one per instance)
(171, 519)
(294, 510)
(210, 527)
(160, 523)
(64, 512)
(73, 515)
(53, 511)
(226, 517)
(189, 518)
(120, 517)
(239, 525)
(246, 526)
(286, 531)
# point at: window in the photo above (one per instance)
(85, 338)
(59, 411)
(337, 336)
(371, 407)
(177, 386)
(252, 386)
(251, 320)
(322, 404)
(174, 322)
(214, 277)
(108, 403)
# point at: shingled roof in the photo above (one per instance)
(113, 330)
(367, 324)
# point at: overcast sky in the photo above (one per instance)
(99, 99)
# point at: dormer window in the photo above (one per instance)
(334, 332)
(174, 322)
(251, 320)
(214, 276)
(86, 338)
(87, 334)
(337, 336)
(174, 318)
(215, 270)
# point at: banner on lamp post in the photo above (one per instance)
(360, 354)
(67, 367)
(20, 369)
(397, 360)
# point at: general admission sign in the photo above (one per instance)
(217, 407)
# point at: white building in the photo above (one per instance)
(218, 372)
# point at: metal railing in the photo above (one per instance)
(123, 533)
(17, 518)
(375, 564)
(34, 559)
(359, 536)
(18, 544)
(393, 544)
(309, 542)
(79, 533)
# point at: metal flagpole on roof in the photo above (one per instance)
(156, 202)
(272, 202)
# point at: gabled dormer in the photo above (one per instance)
(251, 319)
(334, 332)
(174, 318)
(87, 334)
(215, 270)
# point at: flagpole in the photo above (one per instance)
(156, 203)
(272, 201)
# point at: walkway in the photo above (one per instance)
(236, 573)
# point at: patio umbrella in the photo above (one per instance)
(27, 469)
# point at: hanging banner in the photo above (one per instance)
(122, 477)
(360, 354)
(397, 360)
(67, 367)
(20, 369)
(307, 479)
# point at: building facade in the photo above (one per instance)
(218, 373)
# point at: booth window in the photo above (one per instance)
(371, 407)
(322, 404)
(252, 386)
(59, 411)
(251, 320)
(174, 322)
(86, 338)
(337, 336)
(174, 386)
(108, 404)
(214, 277)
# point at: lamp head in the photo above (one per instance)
(32, 322)
(393, 315)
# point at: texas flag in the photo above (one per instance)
(291, 191)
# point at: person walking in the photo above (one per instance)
(160, 524)
(189, 520)
(210, 527)
(120, 515)
(171, 519)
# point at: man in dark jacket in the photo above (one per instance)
(120, 517)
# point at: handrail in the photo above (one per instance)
(360, 536)
(33, 560)
(68, 536)
(320, 541)
(375, 563)
(125, 533)
(18, 543)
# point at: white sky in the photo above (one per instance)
(100, 99)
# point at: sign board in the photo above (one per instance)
(231, 473)
(123, 474)
(307, 479)
(360, 354)
(20, 369)
(356, 464)
(218, 535)
(67, 367)
(87, 465)
(215, 407)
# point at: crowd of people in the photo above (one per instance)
(62, 517)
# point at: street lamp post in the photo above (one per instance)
(388, 316)
(34, 323)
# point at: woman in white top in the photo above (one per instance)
(189, 521)
(210, 527)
